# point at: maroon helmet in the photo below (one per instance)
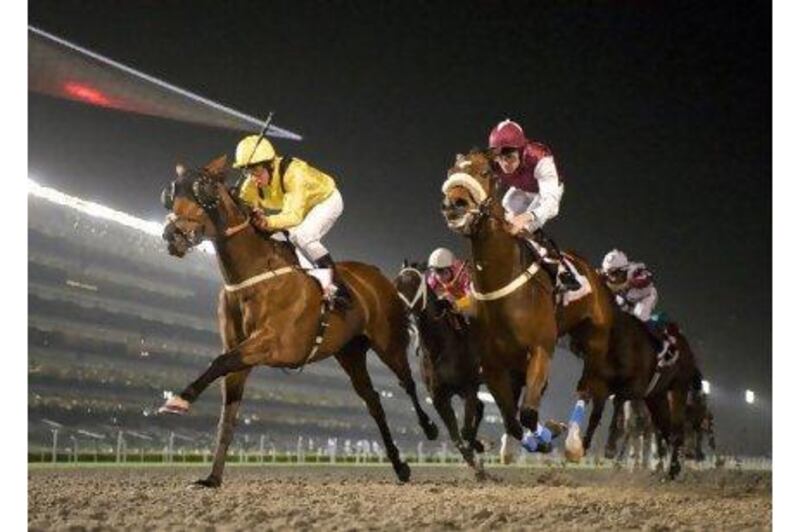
(507, 134)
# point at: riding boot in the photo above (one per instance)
(553, 261)
(343, 298)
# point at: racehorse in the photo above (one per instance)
(518, 319)
(274, 314)
(450, 362)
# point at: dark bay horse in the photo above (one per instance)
(271, 312)
(450, 361)
(517, 318)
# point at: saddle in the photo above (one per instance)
(558, 266)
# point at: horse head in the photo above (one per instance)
(468, 191)
(201, 208)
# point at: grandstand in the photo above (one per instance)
(114, 322)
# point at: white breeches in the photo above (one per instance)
(644, 307)
(319, 220)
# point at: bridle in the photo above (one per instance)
(205, 192)
(484, 210)
(421, 293)
(485, 201)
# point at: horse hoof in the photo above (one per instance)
(403, 472)
(431, 431)
(573, 445)
(674, 471)
(205, 483)
(174, 405)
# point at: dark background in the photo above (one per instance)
(658, 114)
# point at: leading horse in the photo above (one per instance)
(274, 314)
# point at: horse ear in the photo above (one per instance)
(180, 169)
(405, 263)
(217, 167)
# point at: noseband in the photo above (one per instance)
(204, 192)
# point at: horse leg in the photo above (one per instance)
(473, 413)
(509, 446)
(677, 431)
(659, 411)
(506, 396)
(647, 449)
(442, 401)
(232, 391)
(617, 419)
(599, 399)
(244, 356)
(626, 438)
(397, 361)
(535, 383)
(353, 359)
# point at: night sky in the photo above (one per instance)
(658, 115)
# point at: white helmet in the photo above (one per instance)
(441, 258)
(614, 260)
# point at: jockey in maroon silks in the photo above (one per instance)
(449, 278)
(534, 194)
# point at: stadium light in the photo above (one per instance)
(749, 396)
(96, 210)
(706, 387)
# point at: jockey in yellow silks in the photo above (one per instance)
(306, 199)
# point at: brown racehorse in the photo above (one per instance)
(517, 314)
(450, 361)
(516, 306)
(270, 312)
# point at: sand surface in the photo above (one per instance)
(359, 498)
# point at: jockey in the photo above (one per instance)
(634, 291)
(449, 279)
(306, 200)
(534, 194)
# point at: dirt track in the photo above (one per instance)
(347, 498)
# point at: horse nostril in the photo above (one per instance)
(460, 203)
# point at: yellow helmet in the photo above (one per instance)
(252, 151)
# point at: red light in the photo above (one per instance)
(86, 94)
